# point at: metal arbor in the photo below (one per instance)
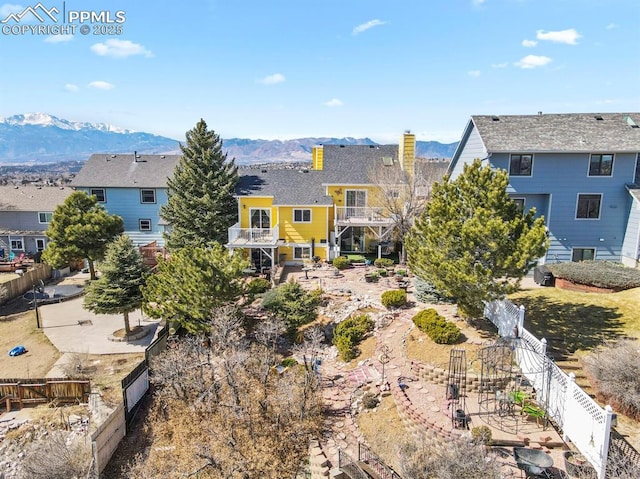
(457, 389)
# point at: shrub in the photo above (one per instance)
(445, 333)
(258, 286)
(602, 274)
(292, 304)
(349, 333)
(401, 272)
(341, 262)
(436, 327)
(370, 400)
(614, 368)
(382, 272)
(383, 262)
(394, 298)
(288, 362)
(356, 258)
(481, 435)
(426, 319)
(427, 293)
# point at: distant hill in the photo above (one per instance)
(41, 138)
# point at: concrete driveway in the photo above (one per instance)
(73, 329)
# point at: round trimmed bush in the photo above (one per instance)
(341, 262)
(394, 298)
(258, 286)
(426, 319)
(445, 333)
(383, 262)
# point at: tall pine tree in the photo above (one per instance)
(201, 206)
(118, 291)
(474, 243)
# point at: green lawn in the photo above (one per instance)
(575, 322)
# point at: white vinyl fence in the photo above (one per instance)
(581, 419)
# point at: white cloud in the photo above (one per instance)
(273, 79)
(532, 61)
(9, 8)
(333, 102)
(570, 36)
(58, 38)
(71, 87)
(474, 73)
(529, 43)
(477, 3)
(366, 26)
(101, 85)
(500, 65)
(612, 26)
(119, 49)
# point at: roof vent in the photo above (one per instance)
(113, 156)
(387, 161)
(341, 146)
(631, 123)
(263, 170)
(161, 156)
(539, 113)
(495, 118)
(598, 117)
(372, 146)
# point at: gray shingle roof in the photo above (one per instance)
(342, 165)
(352, 164)
(573, 132)
(287, 187)
(107, 170)
(32, 198)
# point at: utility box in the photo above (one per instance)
(543, 276)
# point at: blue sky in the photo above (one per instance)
(295, 68)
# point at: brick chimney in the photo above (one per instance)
(407, 152)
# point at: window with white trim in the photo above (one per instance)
(583, 254)
(45, 217)
(302, 252)
(144, 224)
(601, 165)
(519, 202)
(100, 194)
(589, 207)
(41, 243)
(147, 196)
(16, 243)
(520, 165)
(302, 216)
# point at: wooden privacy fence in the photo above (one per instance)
(18, 286)
(43, 391)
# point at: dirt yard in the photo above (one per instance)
(19, 328)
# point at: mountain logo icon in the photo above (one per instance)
(38, 11)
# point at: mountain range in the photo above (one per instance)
(42, 138)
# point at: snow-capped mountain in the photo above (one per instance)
(43, 138)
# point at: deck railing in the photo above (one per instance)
(359, 213)
(239, 235)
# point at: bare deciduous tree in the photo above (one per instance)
(403, 196)
(58, 458)
(614, 367)
(221, 415)
(458, 458)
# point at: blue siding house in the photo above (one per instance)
(133, 187)
(25, 213)
(580, 171)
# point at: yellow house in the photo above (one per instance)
(290, 215)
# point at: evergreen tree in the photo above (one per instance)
(201, 206)
(188, 286)
(118, 291)
(80, 229)
(473, 242)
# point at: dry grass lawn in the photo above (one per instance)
(20, 329)
(384, 431)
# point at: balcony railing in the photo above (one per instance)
(248, 236)
(360, 214)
